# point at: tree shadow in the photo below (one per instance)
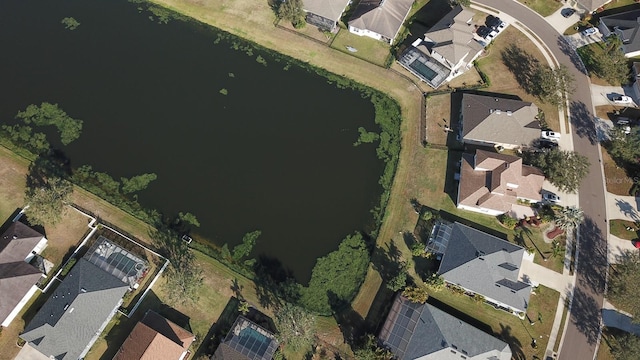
(218, 330)
(274, 284)
(592, 245)
(583, 121)
(522, 65)
(351, 324)
(585, 315)
(506, 335)
(570, 50)
(387, 261)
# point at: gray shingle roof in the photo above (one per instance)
(422, 331)
(16, 276)
(75, 312)
(330, 9)
(498, 120)
(627, 26)
(592, 4)
(452, 37)
(485, 265)
(383, 17)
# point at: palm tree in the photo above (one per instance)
(569, 218)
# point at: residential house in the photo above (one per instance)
(246, 341)
(19, 246)
(495, 121)
(324, 14)
(626, 26)
(380, 19)
(447, 50)
(591, 5)
(422, 331)
(80, 307)
(482, 264)
(155, 338)
(492, 183)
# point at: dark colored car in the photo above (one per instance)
(483, 31)
(493, 21)
(566, 12)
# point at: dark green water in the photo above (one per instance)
(274, 154)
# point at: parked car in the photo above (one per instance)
(589, 31)
(566, 12)
(546, 144)
(493, 21)
(483, 31)
(551, 197)
(502, 26)
(550, 135)
(621, 99)
(492, 35)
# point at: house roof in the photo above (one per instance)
(452, 37)
(67, 323)
(382, 17)
(592, 4)
(495, 181)
(627, 26)
(487, 180)
(246, 341)
(155, 338)
(422, 331)
(16, 276)
(330, 9)
(485, 265)
(498, 120)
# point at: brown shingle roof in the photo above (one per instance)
(484, 178)
(155, 338)
(382, 17)
(16, 276)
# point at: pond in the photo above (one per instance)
(239, 138)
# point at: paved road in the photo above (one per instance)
(582, 333)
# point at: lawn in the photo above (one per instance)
(504, 81)
(543, 7)
(368, 49)
(439, 115)
(616, 177)
(588, 51)
(517, 333)
(619, 228)
(13, 172)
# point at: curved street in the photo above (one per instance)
(582, 335)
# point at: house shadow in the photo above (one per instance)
(454, 159)
(431, 13)
(7, 223)
(455, 218)
(218, 330)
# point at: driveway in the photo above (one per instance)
(617, 247)
(603, 95)
(623, 207)
(583, 325)
(29, 353)
(537, 274)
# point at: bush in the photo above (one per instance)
(507, 221)
(68, 266)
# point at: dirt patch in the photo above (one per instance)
(65, 236)
(439, 119)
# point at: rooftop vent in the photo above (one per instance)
(66, 306)
(498, 112)
(509, 113)
(496, 99)
(14, 236)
